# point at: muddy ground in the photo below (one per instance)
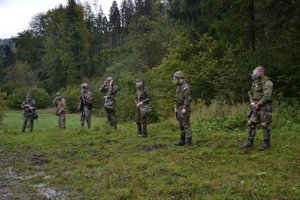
(19, 174)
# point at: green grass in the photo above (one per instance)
(104, 164)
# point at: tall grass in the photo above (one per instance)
(221, 116)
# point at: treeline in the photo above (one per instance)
(216, 43)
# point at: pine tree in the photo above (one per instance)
(115, 25)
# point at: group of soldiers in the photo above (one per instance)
(260, 101)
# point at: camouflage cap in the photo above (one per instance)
(28, 95)
(58, 94)
(179, 74)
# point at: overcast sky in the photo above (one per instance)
(15, 15)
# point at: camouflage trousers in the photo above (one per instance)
(141, 122)
(27, 117)
(262, 116)
(111, 117)
(62, 120)
(184, 122)
(86, 117)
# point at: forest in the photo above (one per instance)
(215, 43)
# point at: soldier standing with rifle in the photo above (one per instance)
(143, 108)
(60, 103)
(29, 107)
(86, 104)
(183, 111)
(109, 89)
(261, 108)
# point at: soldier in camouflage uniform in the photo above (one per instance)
(142, 100)
(86, 104)
(109, 89)
(29, 107)
(261, 108)
(183, 99)
(60, 103)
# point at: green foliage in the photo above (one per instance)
(286, 114)
(20, 75)
(41, 97)
(220, 116)
(72, 97)
(215, 43)
(3, 107)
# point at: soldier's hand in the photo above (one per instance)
(183, 111)
(175, 110)
(256, 106)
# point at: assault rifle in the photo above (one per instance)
(32, 110)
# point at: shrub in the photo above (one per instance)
(72, 97)
(41, 97)
(2, 107)
(220, 116)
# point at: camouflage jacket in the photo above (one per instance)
(183, 96)
(142, 96)
(86, 99)
(261, 91)
(28, 106)
(61, 105)
(109, 91)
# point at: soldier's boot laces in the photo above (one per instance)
(182, 140)
(188, 142)
(266, 145)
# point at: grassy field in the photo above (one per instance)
(99, 163)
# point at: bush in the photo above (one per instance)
(220, 116)
(286, 114)
(2, 107)
(72, 97)
(41, 97)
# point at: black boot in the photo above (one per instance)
(251, 135)
(267, 138)
(182, 139)
(188, 142)
(144, 132)
(266, 145)
(248, 144)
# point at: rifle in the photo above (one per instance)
(252, 110)
(81, 104)
(31, 110)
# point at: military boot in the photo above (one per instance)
(248, 144)
(188, 142)
(250, 140)
(144, 132)
(266, 145)
(182, 139)
(267, 137)
(139, 132)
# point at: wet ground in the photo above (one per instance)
(15, 180)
